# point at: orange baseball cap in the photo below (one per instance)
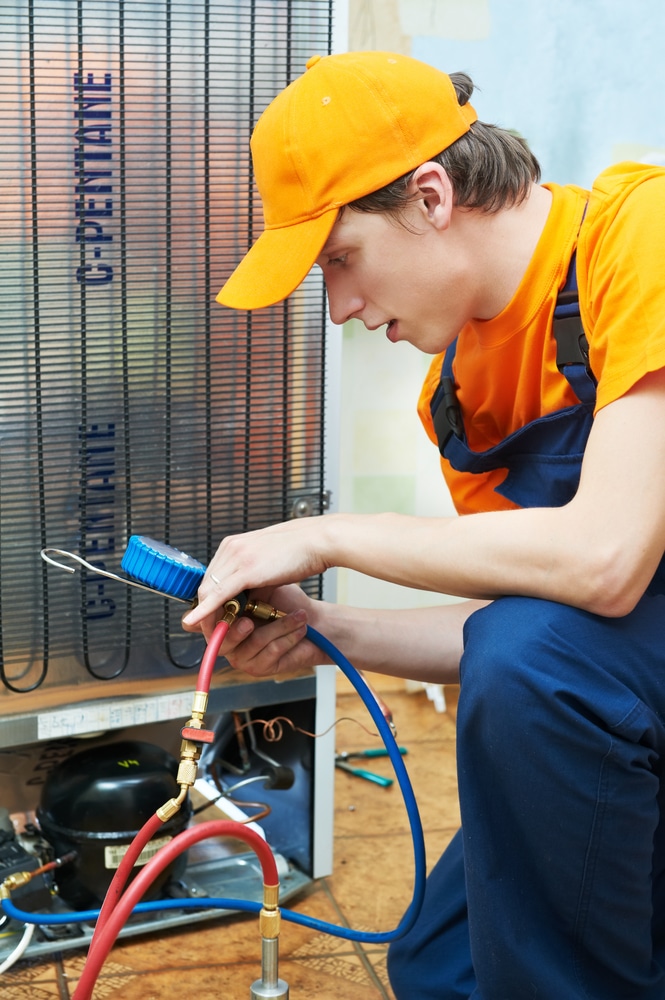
(351, 124)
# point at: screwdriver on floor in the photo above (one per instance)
(341, 760)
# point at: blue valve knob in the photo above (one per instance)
(162, 567)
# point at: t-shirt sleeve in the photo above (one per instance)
(623, 309)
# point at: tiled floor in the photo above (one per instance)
(369, 889)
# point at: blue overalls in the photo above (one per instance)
(554, 888)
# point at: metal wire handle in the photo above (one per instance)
(47, 553)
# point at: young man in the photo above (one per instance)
(433, 225)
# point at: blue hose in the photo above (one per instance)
(251, 906)
(420, 873)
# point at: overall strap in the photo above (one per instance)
(572, 359)
(572, 347)
(444, 407)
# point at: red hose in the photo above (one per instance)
(210, 656)
(132, 895)
(114, 895)
(124, 870)
(150, 828)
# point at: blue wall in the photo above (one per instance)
(582, 80)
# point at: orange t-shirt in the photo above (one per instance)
(505, 368)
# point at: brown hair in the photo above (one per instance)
(490, 168)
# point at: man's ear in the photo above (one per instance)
(432, 191)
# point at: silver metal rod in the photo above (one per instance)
(269, 961)
(48, 553)
(269, 986)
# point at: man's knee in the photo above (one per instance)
(511, 647)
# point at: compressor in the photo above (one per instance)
(94, 804)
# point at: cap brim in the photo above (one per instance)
(277, 263)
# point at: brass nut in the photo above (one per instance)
(269, 923)
(187, 772)
(200, 703)
(168, 810)
(270, 896)
(15, 881)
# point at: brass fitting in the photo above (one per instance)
(269, 923)
(168, 810)
(187, 770)
(14, 881)
(232, 609)
(171, 807)
(199, 706)
(261, 610)
(271, 896)
(190, 751)
(270, 916)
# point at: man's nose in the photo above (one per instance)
(343, 306)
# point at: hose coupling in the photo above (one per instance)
(199, 706)
(171, 807)
(270, 917)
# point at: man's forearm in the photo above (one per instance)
(423, 644)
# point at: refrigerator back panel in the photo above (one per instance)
(130, 401)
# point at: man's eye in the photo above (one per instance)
(338, 260)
